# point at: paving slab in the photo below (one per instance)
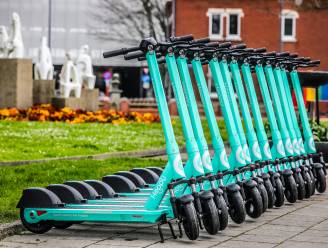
(299, 225)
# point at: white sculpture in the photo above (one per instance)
(12, 46)
(16, 45)
(43, 68)
(4, 39)
(69, 78)
(84, 67)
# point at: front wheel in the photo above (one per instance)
(300, 186)
(279, 193)
(237, 209)
(210, 216)
(62, 224)
(254, 204)
(320, 184)
(38, 228)
(270, 191)
(308, 184)
(290, 189)
(190, 221)
(264, 196)
(223, 211)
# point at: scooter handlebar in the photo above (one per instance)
(188, 37)
(134, 55)
(121, 51)
(200, 41)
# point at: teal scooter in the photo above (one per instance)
(40, 207)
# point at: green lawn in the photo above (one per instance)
(36, 140)
(14, 179)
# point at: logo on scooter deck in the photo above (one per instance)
(240, 155)
(267, 151)
(256, 150)
(246, 153)
(280, 148)
(178, 167)
(224, 159)
(197, 163)
(288, 146)
(206, 159)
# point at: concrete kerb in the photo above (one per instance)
(10, 229)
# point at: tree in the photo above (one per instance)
(132, 20)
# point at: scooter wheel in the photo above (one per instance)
(223, 211)
(264, 196)
(313, 180)
(62, 224)
(279, 193)
(254, 204)
(320, 184)
(237, 209)
(290, 189)
(308, 184)
(38, 228)
(210, 216)
(270, 192)
(190, 221)
(300, 186)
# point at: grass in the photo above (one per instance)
(37, 140)
(14, 179)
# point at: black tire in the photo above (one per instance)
(190, 221)
(300, 186)
(270, 191)
(308, 184)
(320, 183)
(312, 180)
(237, 209)
(62, 224)
(210, 216)
(264, 196)
(290, 189)
(279, 193)
(38, 228)
(223, 211)
(254, 204)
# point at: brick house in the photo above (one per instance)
(299, 28)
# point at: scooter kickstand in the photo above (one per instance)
(172, 230)
(160, 232)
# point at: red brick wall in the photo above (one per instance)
(260, 25)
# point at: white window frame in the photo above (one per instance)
(240, 14)
(210, 13)
(289, 14)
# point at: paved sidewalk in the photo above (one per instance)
(303, 224)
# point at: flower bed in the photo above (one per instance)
(46, 112)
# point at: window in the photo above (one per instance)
(215, 23)
(233, 23)
(288, 25)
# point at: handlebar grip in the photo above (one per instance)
(134, 55)
(225, 45)
(239, 46)
(188, 37)
(293, 55)
(282, 54)
(260, 50)
(306, 59)
(121, 51)
(200, 41)
(213, 44)
(248, 50)
(315, 62)
(270, 54)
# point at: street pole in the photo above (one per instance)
(49, 22)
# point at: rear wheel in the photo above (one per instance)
(300, 186)
(270, 191)
(290, 189)
(190, 221)
(254, 205)
(279, 193)
(237, 210)
(312, 180)
(321, 181)
(210, 216)
(39, 228)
